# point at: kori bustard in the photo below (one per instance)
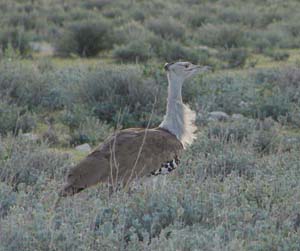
(137, 152)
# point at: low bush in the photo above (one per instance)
(32, 88)
(91, 131)
(222, 189)
(74, 116)
(17, 38)
(235, 57)
(28, 162)
(8, 199)
(14, 119)
(239, 130)
(9, 115)
(223, 152)
(196, 17)
(132, 31)
(167, 28)
(120, 95)
(277, 55)
(223, 36)
(260, 94)
(27, 20)
(85, 38)
(96, 4)
(173, 51)
(135, 51)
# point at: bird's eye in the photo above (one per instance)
(186, 66)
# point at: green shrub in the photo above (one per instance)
(265, 142)
(224, 36)
(17, 38)
(138, 15)
(277, 55)
(74, 116)
(26, 122)
(85, 38)
(14, 119)
(294, 118)
(173, 51)
(232, 131)
(223, 195)
(22, 19)
(137, 44)
(273, 106)
(57, 16)
(274, 37)
(91, 131)
(260, 94)
(196, 17)
(235, 57)
(277, 91)
(98, 4)
(167, 28)
(120, 95)
(135, 51)
(28, 162)
(132, 31)
(223, 151)
(26, 86)
(223, 92)
(8, 199)
(9, 115)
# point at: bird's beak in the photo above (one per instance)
(203, 68)
(207, 68)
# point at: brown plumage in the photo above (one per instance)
(137, 152)
(141, 149)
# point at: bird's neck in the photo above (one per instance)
(179, 118)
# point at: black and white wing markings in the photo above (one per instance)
(167, 167)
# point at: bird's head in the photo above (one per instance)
(184, 70)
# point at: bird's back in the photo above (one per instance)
(128, 154)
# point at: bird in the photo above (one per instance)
(137, 152)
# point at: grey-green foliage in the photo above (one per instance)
(14, 118)
(224, 36)
(134, 43)
(224, 195)
(29, 87)
(260, 94)
(135, 51)
(233, 58)
(172, 51)
(9, 117)
(238, 130)
(25, 161)
(187, 210)
(7, 199)
(15, 37)
(126, 94)
(88, 29)
(277, 55)
(120, 95)
(92, 131)
(85, 38)
(167, 28)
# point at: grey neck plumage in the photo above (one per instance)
(179, 118)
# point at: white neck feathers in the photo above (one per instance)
(179, 119)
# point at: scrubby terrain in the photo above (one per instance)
(72, 72)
